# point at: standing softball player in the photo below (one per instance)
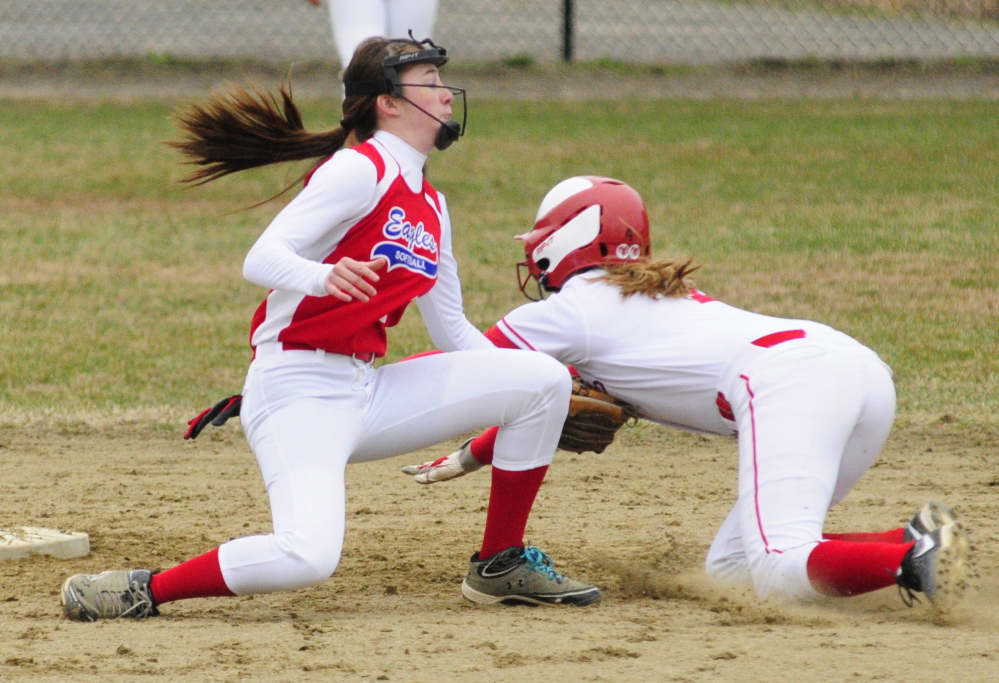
(355, 20)
(810, 406)
(366, 236)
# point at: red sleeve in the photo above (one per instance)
(499, 339)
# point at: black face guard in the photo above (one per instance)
(525, 279)
(449, 131)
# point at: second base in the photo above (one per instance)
(21, 541)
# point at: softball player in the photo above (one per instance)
(811, 407)
(355, 20)
(367, 235)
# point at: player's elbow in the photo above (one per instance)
(252, 265)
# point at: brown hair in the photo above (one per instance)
(660, 278)
(239, 129)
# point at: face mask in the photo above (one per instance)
(450, 131)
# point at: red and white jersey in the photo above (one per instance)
(367, 202)
(668, 357)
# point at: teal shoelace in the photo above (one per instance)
(538, 561)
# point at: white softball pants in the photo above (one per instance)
(355, 20)
(812, 417)
(306, 414)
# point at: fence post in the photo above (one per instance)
(568, 28)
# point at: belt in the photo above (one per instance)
(366, 357)
(766, 342)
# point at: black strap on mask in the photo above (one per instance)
(390, 84)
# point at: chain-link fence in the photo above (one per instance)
(643, 31)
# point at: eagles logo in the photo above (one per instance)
(404, 255)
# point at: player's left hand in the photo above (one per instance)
(593, 420)
(451, 466)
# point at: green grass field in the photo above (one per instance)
(122, 292)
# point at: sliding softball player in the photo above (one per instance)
(810, 407)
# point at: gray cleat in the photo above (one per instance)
(111, 595)
(523, 576)
(939, 565)
(933, 516)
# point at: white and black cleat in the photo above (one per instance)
(939, 565)
(932, 516)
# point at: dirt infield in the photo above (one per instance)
(636, 521)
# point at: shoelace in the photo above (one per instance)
(144, 598)
(909, 597)
(112, 603)
(538, 561)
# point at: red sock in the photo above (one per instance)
(200, 577)
(893, 536)
(842, 568)
(510, 501)
(482, 446)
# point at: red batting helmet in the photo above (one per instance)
(583, 222)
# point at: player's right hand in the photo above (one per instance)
(452, 466)
(349, 279)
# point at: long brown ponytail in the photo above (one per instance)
(241, 128)
(660, 278)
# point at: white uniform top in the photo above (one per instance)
(288, 257)
(668, 357)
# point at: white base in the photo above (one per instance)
(21, 541)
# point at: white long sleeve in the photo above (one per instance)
(288, 255)
(441, 307)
